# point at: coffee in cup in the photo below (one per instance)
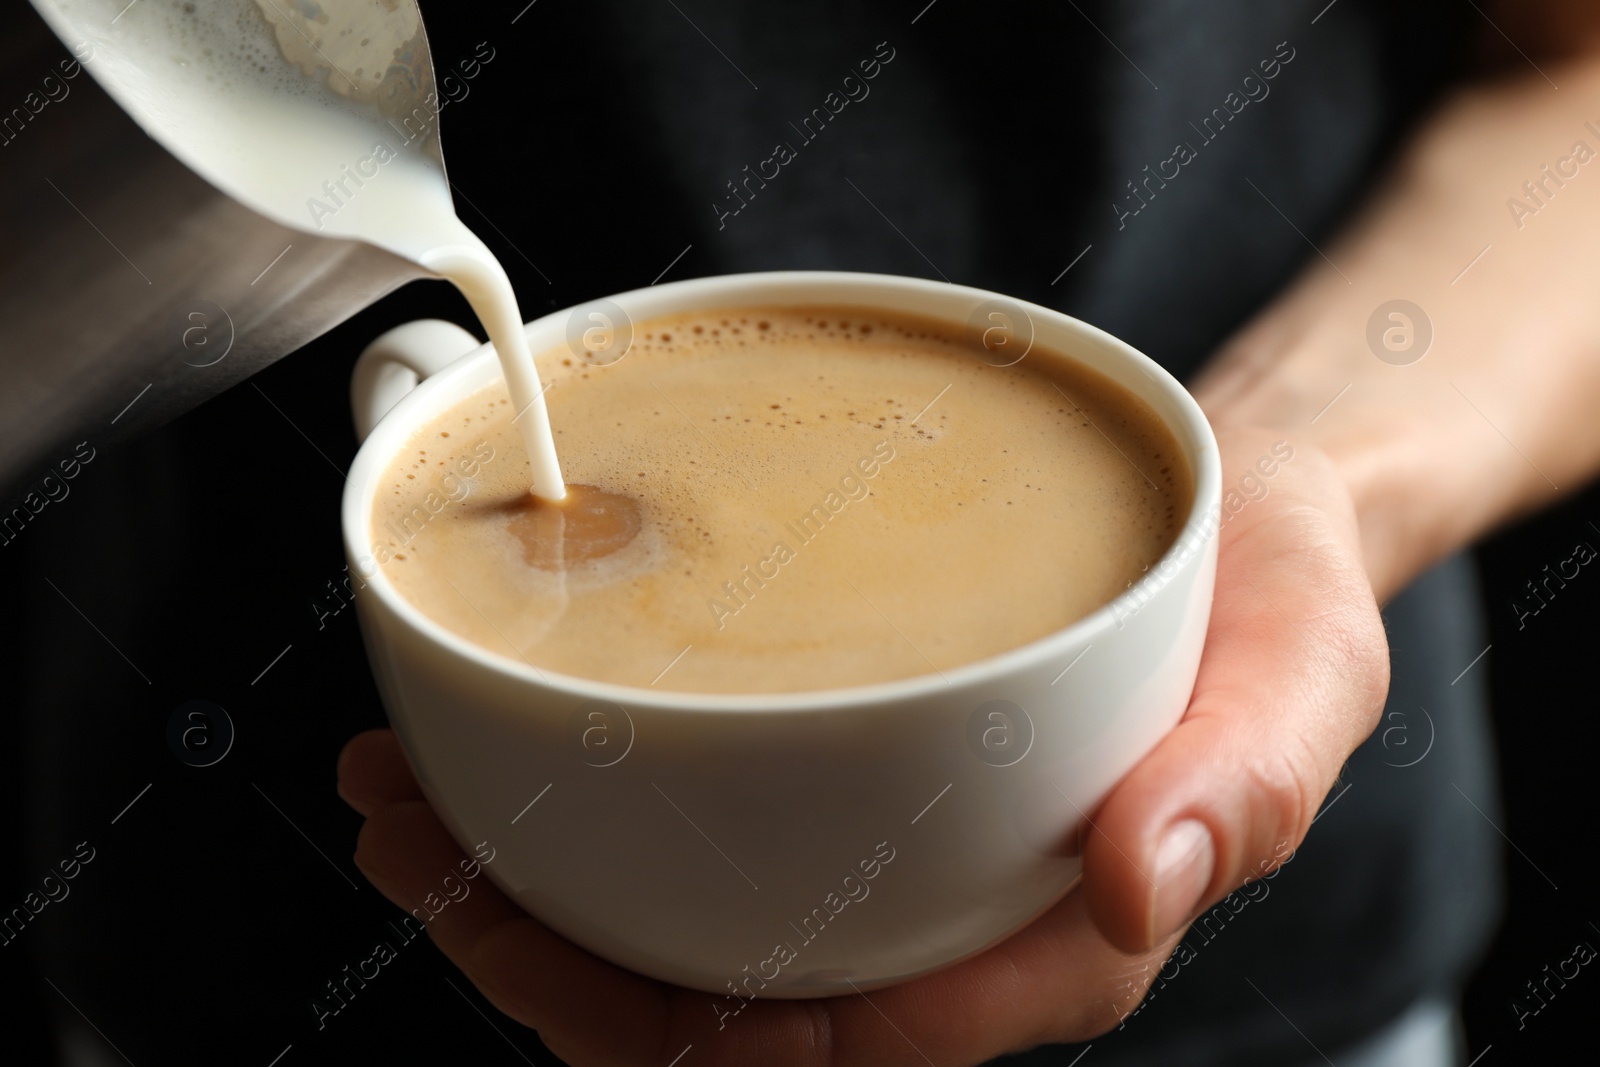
(784, 499)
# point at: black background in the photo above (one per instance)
(208, 914)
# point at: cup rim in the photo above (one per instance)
(372, 458)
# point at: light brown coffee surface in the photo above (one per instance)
(784, 500)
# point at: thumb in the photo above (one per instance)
(1292, 679)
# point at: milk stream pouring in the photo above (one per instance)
(322, 121)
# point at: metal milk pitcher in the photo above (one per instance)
(139, 275)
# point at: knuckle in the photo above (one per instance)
(1285, 785)
(1122, 992)
(1343, 623)
(1090, 1017)
(1355, 663)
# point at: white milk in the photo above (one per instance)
(288, 117)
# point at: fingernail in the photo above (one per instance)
(1184, 861)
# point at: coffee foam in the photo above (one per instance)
(864, 497)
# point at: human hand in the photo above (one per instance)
(1292, 679)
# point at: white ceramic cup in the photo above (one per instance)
(784, 845)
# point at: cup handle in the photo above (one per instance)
(393, 364)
